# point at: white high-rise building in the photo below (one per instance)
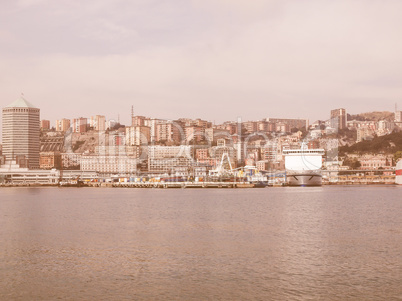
(21, 133)
(398, 116)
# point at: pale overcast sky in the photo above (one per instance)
(213, 59)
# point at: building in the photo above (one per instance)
(385, 127)
(213, 134)
(109, 164)
(398, 116)
(378, 161)
(263, 126)
(98, 122)
(62, 125)
(270, 152)
(196, 133)
(290, 123)
(111, 124)
(45, 125)
(282, 127)
(230, 126)
(139, 120)
(312, 144)
(49, 160)
(138, 135)
(21, 132)
(185, 122)
(169, 165)
(151, 123)
(80, 125)
(167, 132)
(364, 133)
(338, 119)
(161, 152)
(202, 154)
(14, 174)
(250, 126)
(71, 160)
(262, 165)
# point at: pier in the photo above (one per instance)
(175, 185)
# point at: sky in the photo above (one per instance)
(210, 59)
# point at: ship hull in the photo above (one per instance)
(398, 173)
(304, 179)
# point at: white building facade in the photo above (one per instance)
(109, 164)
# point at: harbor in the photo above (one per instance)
(91, 180)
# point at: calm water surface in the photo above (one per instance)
(326, 243)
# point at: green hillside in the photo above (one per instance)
(372, 116)
(388, 144)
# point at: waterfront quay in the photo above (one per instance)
(342, 180)
(177, 185)
(147, 185)
(73, 178)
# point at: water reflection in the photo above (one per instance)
(326, 243)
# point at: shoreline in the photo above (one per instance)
(182, 185)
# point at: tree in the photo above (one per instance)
(397, 156)
(353, 163)
(356, 164)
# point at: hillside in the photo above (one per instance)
(388, 144)
(372, 116)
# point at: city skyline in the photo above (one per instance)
(127, 121)
(213, 60)
(92, 119)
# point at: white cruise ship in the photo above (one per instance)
(303, 166)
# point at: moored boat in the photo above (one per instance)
(398, 173)
(303, 166)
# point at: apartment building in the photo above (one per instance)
(138, 135)
(62, 125)
(80, 125)
(45, 125)
(168, 132)
(98, 122)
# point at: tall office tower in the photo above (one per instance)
(21, 130)
(338, 119)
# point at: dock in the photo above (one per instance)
(175, 185)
